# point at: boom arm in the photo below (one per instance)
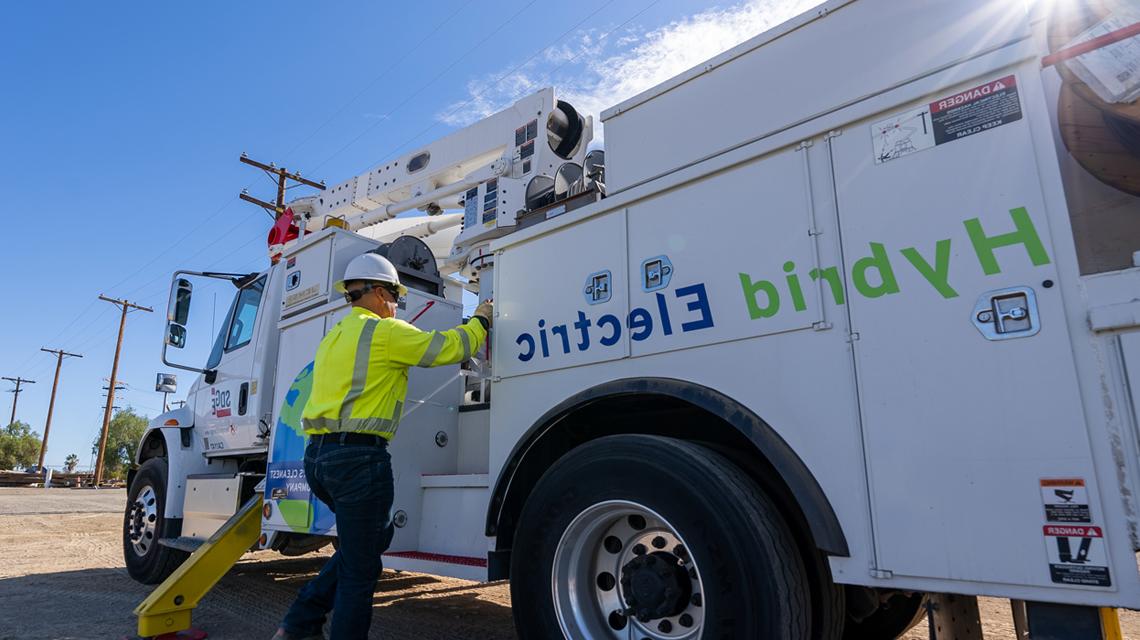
(484, 168)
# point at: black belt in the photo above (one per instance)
(349, 437)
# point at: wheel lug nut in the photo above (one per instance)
(665, 626)
(686, 620)
(659, 543)
(639, 549)
(696, 600)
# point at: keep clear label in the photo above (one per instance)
(1065, 500)
(1077, 555)
(947, 119)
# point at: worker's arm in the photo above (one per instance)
(410, 346)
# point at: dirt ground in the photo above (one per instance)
(62, 576)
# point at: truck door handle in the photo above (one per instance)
(1007, 313)
(243, 398)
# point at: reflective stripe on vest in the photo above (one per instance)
(385, 427)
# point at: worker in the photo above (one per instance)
(360, 379)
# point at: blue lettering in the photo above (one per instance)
(581, 325)
(666, 326)
(613, 338)
(529, 340)
(542, 338)
(701, 304)
(640, 324)
(560, 330)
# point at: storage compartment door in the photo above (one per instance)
(966, 377)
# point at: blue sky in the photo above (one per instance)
(121, 125)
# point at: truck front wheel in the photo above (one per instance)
(144, 523)
(637, 536)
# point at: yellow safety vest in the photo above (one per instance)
(360, 373)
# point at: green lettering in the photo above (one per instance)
(794, 286)
(750, 288)
(1025, 234)
(938, 276)
(831, 275)
(877, 260)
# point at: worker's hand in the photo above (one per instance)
(485, 310)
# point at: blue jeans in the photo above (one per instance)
(355, 481)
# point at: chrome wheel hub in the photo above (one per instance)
(142, 521)
(622, 571)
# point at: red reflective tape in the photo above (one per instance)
(438, 557)
(1112, 37)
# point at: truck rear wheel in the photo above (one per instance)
(660, 535)
(144, 523)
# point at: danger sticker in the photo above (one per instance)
(1065, 500)
(966, 113)
(1077, 555)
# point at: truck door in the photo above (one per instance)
(228, 417)
(967, 384)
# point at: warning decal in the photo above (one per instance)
(975, 110)
(954, 117)
(1077, 555)
(1065, 500)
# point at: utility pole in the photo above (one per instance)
(16, 398)
(125, 306)
(60, 354)
(283, 176)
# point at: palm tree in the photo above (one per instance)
(71, 462)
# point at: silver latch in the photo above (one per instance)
(1007, 313)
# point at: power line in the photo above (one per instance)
(60, 354)
(126, 307)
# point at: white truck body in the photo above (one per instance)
(851, 240)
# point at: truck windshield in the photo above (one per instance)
(237, 330)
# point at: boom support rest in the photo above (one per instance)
(168, 608)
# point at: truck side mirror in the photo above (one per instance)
(179, 309)
(178, 313)
(176, 335)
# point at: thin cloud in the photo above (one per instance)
(596, 69)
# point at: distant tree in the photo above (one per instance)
(19, 446)
(123, 435)
(71, 462)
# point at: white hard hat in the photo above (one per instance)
(371, 267)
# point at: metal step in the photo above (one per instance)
(183, 543)
(465, 567)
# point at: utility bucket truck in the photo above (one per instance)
(845, 317)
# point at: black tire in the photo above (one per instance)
(155, 562)
(732, 531)
(896, 616)
(829, 600)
